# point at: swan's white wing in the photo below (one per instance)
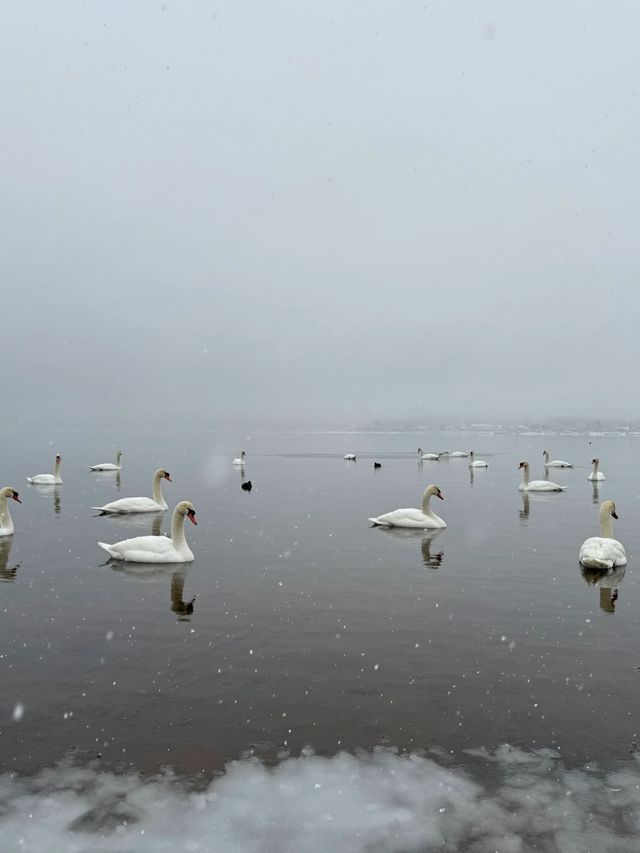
(105, 466)
(600, 552)
(409, 517)
(44, 480)
(144, 549)
(558, 463)
(544, 486)
(130, 505)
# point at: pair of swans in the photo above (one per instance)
(158, 549)
(6, 522)
(155, 504)
(108, 466)
(536, 485)
(603, 552)
(424, 518)
(48, 479)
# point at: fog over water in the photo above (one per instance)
(232, 211)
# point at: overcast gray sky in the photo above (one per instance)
(338, 211)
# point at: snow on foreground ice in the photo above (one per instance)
(378, 803)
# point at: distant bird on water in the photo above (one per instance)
(377, 465)
(350, 457)
(247, 486)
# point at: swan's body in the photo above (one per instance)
(6, 522)
(477, 463)
(554, 463)
(48, 479)
(536, 485)
(603, 552)
(109, 466)
(158, 549)
(240, 459)
(432, 456)
(595, 474)
(460, 454)
(350, 457)
(410, 517)
(155, 504)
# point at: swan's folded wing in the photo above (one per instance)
(409, 517)
(143, 548)
(130, 505)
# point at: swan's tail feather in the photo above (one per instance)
(100, 510)
(29, 479)
(106, 547)
(595, 563)
(374, 521)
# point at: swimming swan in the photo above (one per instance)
(239, 460)
(536, 485)
(433, 456)
(48, 479)
(460, 454)
(603, 552)
(555, 463)
(478, 463)
(108, 466)
(350, 457)
(158, 549)
(6, 522)
(595, 474)
(155, 504)
(423, 518)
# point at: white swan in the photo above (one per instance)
(108, 466)
(555, 463)
(158, 549)
(459, 454)
(477, 463)
(240, 459)
(423, 518)
(6, 522)
(155, 504)
(603, 552)
(350, 457)
(595, 474)
(48, 479)
(536, 485)
(432, 456)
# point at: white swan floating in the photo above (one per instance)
(555, 463)
(477, 463)
(350, 457)
(432, 456)
(155, 504)
(595, 474)
(536, 485)
(459, 454)
(417, 518)
(603, 552)
(158, 549)
(6, 522)
(240, 459)
(108, 466)
(48, 479)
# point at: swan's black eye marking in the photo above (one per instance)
(191, 512)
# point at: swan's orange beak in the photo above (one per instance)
(192, 516)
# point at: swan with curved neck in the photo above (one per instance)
(410, 517)
(48, 479)
(109, 466)
(6, 522)
(554, 463)
(595, 474)
(477, 463)
(603, 552)
(240, 459)
(158, 549)
(155, 504)
(536, 485)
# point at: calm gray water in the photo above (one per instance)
(309, 628)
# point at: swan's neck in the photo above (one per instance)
(118, 458)
(595, 468)
(177, 529)
(525, 475)
(546, 456)
(606, 523)
(425, 504)
(56, 470)
(5, 516)
(157, 490)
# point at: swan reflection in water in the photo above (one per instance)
(607, 581)
(524, 512)
(425, 537)
(595, 497)
(7, 572)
